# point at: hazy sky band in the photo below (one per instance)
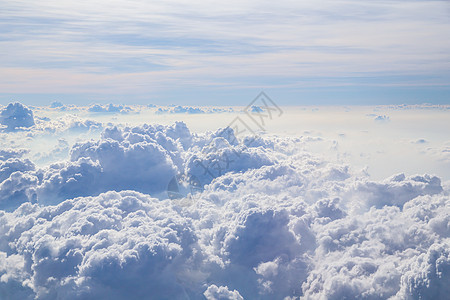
(205, 52)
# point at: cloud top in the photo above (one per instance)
(15, 116)
(273, 222)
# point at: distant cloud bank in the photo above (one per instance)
(196, 52)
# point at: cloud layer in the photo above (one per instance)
(15, 116)
(266, 220)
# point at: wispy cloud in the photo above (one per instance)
(122, 46)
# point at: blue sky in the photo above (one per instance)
(211, 52)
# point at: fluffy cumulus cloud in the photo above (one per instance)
(385, 253)
(111, 246)
(191, 110)
(223, 154)
(267, 220)
(143, 159)
(382, 119)
(16, 116)
(12, 153)
(110, 108)
(70, 123)
(56, 104)
(17, 182)
(214, 293)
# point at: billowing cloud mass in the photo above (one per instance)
(190, 110)
(264, 219)
(15, 116)
(110, 108)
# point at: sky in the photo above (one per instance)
(225, 53)
(335, 184)
(128, 202)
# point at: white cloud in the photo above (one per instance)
(110, 108)
(277, 221)
(382, 118)
(219, 157)
(137, 163)
(12, 165)
(216, 293)
(12, 153)
(190, 110)
(376, 254)
(100, 247)
(69, 123)
(16, 189)
(220, 44)
(16, 116)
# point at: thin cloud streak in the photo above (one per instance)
(72, 46)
